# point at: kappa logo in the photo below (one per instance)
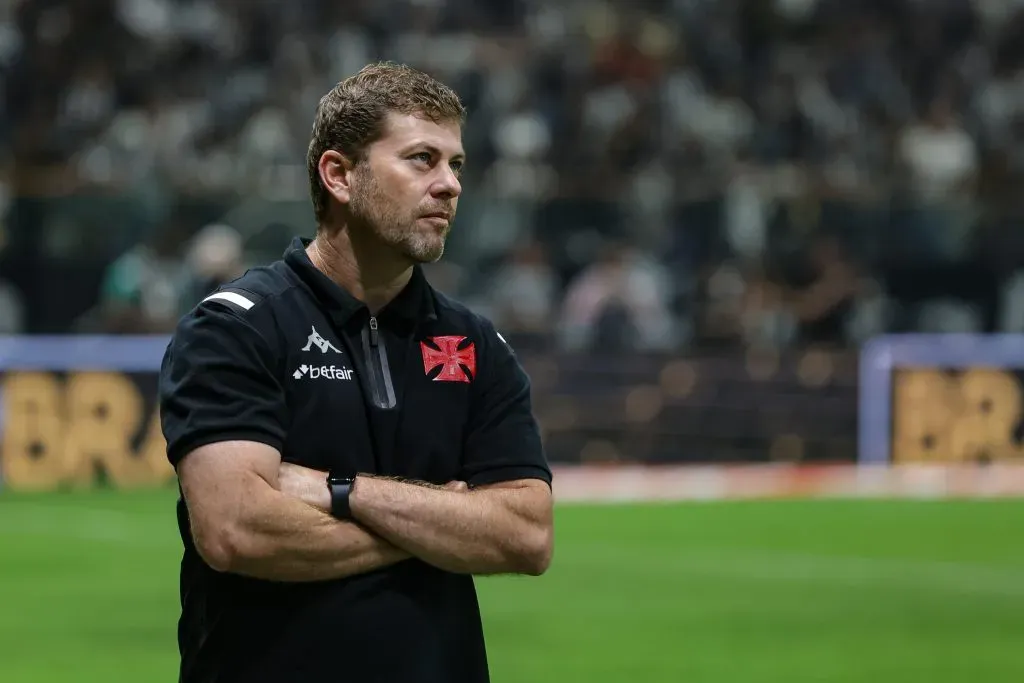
(323, 372)
(319, 342)
(457, 364)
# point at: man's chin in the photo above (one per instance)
(432, 257)
(426, 253)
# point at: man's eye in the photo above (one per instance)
(422, 156)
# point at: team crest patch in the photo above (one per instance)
(457, 364)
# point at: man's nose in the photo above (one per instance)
(447, 185)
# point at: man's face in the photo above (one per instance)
(407, 189)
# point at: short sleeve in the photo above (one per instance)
(219, 382)
(503, 441)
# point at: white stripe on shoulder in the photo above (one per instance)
(231, 298)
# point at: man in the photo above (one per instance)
(351, 445)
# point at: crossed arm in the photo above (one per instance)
(252, 515)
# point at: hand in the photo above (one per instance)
(460, 486)
(308, 485)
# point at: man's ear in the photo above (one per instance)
(336, 175)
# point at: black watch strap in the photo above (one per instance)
(341, 489)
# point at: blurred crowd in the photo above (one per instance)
(643, 174)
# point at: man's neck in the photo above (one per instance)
(367, 272)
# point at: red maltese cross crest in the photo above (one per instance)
(457, 365)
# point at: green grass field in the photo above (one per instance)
(719, 592)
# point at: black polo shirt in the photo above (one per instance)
(426, 390)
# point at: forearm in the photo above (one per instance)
(284, 539)
(475, 532)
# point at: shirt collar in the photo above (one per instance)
(413, 304)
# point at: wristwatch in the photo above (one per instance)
(340, 489)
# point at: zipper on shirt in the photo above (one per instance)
(381, 387)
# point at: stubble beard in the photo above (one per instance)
(371, 208)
